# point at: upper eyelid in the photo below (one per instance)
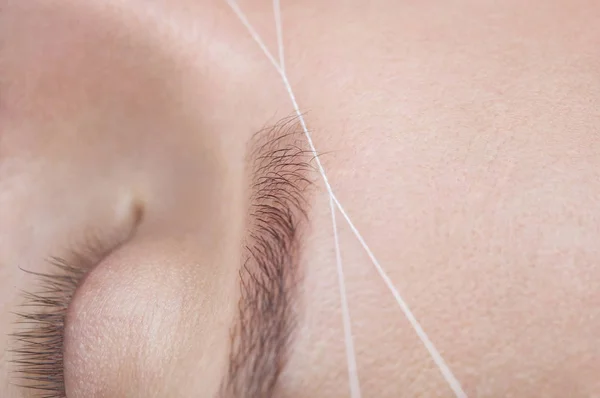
(280, 158)
(38, 343)
(38, 337)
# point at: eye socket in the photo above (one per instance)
(38, 339)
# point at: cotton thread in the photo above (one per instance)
(349, 340)
(353, 379)
(279, 30)
(433, 352)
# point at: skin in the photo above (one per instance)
(462, 139)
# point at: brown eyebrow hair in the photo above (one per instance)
(268, 306)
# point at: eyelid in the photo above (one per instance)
(38, 339)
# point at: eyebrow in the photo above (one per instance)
(280, 168)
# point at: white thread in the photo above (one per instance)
(433, 352)
(288, 88)
(350, 355)
(279, 30)
(435, 355)
(353, 380)
(242, 17)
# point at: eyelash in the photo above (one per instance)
(38, 340)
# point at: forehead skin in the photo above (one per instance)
(467, 153)
(461, 137)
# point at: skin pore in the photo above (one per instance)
(461, 137)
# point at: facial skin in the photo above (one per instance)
(462, 139)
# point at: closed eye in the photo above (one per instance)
(39, 331)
